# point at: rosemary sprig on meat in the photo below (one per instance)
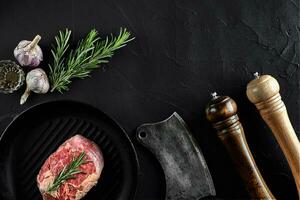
(88, 55)
(67, 173)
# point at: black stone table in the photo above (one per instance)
(183, 51)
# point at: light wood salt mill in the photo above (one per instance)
(263, 91)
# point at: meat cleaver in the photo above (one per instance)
(186, 173)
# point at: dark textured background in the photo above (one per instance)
(183, 51)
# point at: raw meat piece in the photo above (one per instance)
(76, 188)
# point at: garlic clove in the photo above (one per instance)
(29, 53)
(37, 82)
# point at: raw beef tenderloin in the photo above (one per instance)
(77, 187)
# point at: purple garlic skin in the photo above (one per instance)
(28, 53)
(37, 82)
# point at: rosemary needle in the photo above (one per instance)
(88, 55)
(68, 172)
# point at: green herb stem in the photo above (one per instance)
(67, 173)
(88, 55)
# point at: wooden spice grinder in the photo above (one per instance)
(222, 112)
(263, 91)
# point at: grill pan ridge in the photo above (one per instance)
(29, 140)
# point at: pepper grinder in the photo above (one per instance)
(221, 111)
(263, 91)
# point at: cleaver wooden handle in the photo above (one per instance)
(264, 93)
(221, 111)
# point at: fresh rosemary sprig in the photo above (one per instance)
(68, 172)
(88, 55)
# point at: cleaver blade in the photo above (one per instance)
(186, 173)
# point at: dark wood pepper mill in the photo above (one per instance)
(222, 112)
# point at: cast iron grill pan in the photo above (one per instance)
(35, 134)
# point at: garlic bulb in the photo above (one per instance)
(28, 53)
(37, 81)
